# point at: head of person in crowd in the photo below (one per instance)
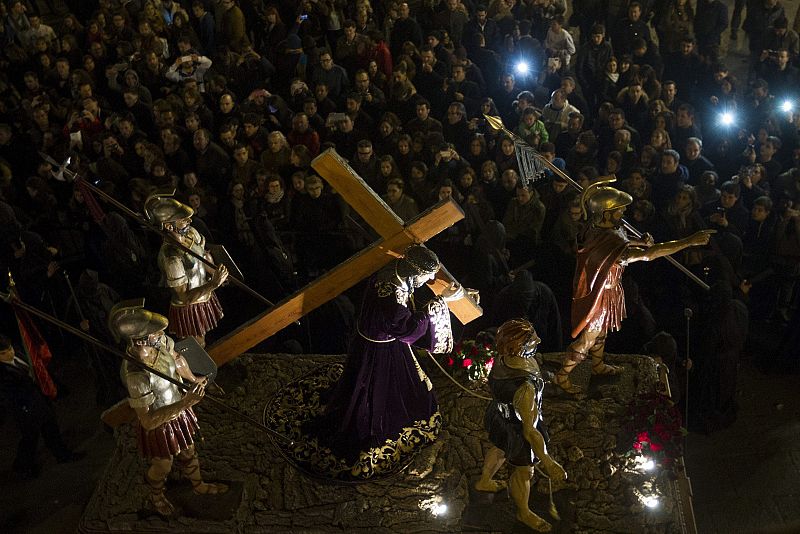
(456, 112)
(729, 194)
(670, 160)
(762, 208)
(300, 156)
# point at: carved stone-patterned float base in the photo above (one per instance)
(433, 495)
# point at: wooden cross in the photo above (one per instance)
(395, 239)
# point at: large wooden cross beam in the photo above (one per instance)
(395, 238)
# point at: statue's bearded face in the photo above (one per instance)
(422, 279)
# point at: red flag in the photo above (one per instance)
(35, 346)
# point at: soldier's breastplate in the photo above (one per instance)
(195, 270)
(165, 392)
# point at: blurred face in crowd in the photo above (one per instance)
(241, 155)
(423, 111)
(466, 181)
(453, 114)
(326, 61)
(403, 11)
(321, 92)
(683, 200)
(350, 33)
(362, 82)
(228, 138)
(386, 168)
(458, 73)
(445, 192)
(200, 140)
(226, 103)
(669, 164)
(385, 128)
(509, 180)
(364, 153)
(428, 58)
(314, 189)
(767, 150)
(597, 38)
(310, 108)
(759, 213)
(404, 147)
(250, 129)
(300, 123)
(192, 123)
(670, 91)
(274, 187)
(237, 191)
(692, 151)
(190, 180)
(508, 83)
(126, 129)
(393, 193)
(475, 147)
(298, 183)
(727, 200)
(683, 118)
(634, 13)
(523, 195)
(507, 146)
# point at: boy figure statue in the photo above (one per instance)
(598, 301)
(167, 423)
(514, 420)
(194, 308)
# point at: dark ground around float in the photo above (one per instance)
(744, 477)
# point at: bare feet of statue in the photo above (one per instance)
(492, 486)
(601, 368)
(534, 521)
(209, 489)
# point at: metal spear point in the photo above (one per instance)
(497, 124)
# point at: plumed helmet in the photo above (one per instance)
(417, 261)
(598, 198)
(516, 339)
(161, 208)
(129, 320)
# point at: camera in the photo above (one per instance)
(721, 210)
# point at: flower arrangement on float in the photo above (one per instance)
(654, 431)
(474, 357)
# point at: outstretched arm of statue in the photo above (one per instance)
(525, 405)
(659, 250)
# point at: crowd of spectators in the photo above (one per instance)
(228, 102)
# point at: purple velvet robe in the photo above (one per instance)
(382, 390)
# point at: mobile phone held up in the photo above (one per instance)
(303, 17)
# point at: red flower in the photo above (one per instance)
(637, 446)
(467, 362)
(450, 362)
(655, 447)
(473, 351)
(643, 437)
